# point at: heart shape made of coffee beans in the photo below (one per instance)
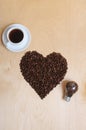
(43, 73)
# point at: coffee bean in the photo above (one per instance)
(43, 73)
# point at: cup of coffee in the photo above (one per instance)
(16, 37)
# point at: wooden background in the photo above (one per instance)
(55, 25)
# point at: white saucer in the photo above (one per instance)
(19, 46)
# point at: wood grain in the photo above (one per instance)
(55, 25)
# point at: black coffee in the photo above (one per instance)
(16, 36)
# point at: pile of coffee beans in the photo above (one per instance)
(43, 73)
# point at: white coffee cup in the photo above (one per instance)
(16, 37)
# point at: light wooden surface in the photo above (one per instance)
(55, 25)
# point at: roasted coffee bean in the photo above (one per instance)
(43, 73)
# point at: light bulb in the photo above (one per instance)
(70, 88)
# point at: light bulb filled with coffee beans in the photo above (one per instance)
(70, 88)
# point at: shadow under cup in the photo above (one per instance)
(16, 36)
